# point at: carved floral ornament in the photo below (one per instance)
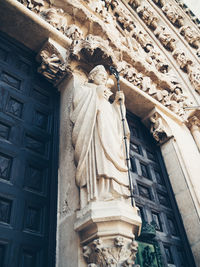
(115, 252)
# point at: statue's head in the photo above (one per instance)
(98, 75)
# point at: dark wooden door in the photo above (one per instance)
(154, 197)
(28, 160)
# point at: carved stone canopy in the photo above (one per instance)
(93, 49)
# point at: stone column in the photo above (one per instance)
(194, 124)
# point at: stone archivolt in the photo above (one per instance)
(152, 71)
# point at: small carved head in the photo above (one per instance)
(98, 75)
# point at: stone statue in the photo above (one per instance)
(97, 137)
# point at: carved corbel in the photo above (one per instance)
(158, 126)
(53, 64)
(112, 252)
(93, 49)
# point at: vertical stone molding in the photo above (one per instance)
(194, 125)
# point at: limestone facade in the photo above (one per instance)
(155, 47)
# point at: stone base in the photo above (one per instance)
(103, 219)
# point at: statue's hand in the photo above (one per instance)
(119, 97)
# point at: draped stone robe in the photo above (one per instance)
(98, 142)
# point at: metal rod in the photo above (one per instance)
(116, 74)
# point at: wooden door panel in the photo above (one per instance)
(28, 138)
(154, 197)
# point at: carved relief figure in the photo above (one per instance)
(173, 14)
(191, 35)
(55, 17)
(122, 16)
(181, 58)
(194, 76)
(98, 140)
(74, 33)
(165, 38)
(148, 16)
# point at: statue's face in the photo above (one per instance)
(100, 78)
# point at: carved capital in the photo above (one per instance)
(111, 252)
(53, 65)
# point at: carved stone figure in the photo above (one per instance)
(181, 58)
(173, 14)
(194, 76)
(98, 140)
(74, 33)
(54, 16)
(147, 16)
(119, 251)
(158, 129)
(122, 16)
(191, 36)
(154, 57)
(165, 38)
(142, 38)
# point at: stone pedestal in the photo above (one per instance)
(107, 231)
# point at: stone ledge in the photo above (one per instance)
(100, 219)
